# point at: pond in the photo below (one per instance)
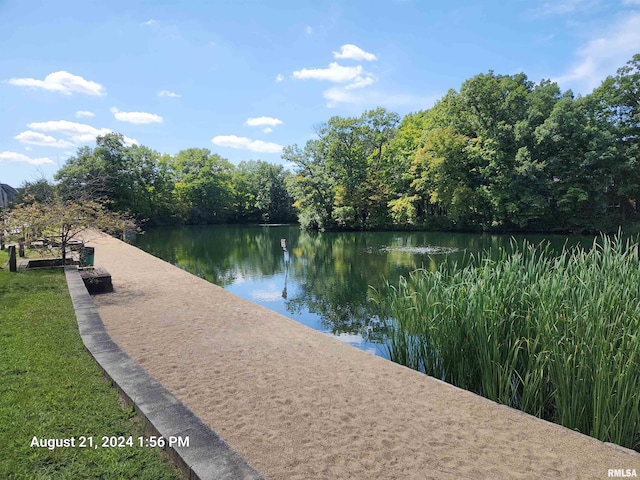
(323, 280)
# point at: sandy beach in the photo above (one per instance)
(300, 405)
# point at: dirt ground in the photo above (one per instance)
(300, 405)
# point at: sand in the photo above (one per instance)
(300, 405)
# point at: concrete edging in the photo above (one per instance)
(207, 456)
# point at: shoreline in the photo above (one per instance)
(298, 404)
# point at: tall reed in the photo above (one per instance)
(555, 335)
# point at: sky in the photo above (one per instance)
(245, 78)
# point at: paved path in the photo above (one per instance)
(300, 405)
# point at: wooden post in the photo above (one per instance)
(21, 248)
(13, 265)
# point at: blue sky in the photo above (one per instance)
(244, 78)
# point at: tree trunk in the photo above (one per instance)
(13, 266)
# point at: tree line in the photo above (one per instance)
(194, 186)
(502, 153)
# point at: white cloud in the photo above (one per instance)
(149, 22)
(63, 82)
(308, 30)
(363, 98)
(602, 56)
(262, 121)
(167, 93)
(563, 7)
(354, 340)
(354, 53)
(139, 118)
(268, 130)
(266, 295)
(79, 133)
(353, 78)
(21, 158)
(279, 78)
(361, 82)
(84, 113)
(337, 95)
(345, 94)
(335, 73)
(35, 138)
(244, 143)
(631, 2)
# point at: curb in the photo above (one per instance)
(207, 456)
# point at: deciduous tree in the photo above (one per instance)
(59, 221)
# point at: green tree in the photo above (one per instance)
(60, 221)
(203, 186)
(405, 205)
(495, 104)
(41, 191)
(261, 190)
(346, 160)
(340, 177)
(477, 160)
(151, 185)
(619, 100)
(445, 174)
(530, 195)
(581, 156)
(130, 178)
(380, 128)
(414, 199)
(100, 173)
(312, 186)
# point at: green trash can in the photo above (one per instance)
(87, 255)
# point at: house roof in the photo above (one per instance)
(9, 190)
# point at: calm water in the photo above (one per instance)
(324, 278)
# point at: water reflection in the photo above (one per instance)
(319, 279)
(283, 244)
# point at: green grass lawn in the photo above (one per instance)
(51, 388)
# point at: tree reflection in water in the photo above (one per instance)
(320, 279)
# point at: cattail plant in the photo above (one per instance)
(556, 335)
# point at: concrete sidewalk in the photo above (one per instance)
(195, 449)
